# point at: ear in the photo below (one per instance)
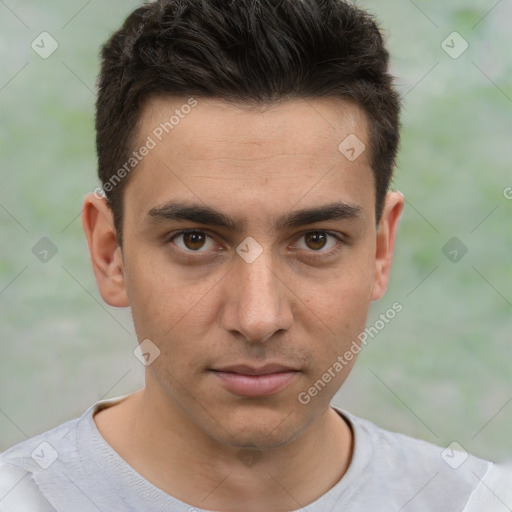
(105, 253)
(386, 234)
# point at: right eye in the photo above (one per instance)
(193, 241)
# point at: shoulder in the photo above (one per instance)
(42, 450)
(21, 463)
(22, 466)
(416, 455)
(19, 491)
(494, 492)
(35, 472)
(56, 445)
(411, 471)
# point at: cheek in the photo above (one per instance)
(157, 298)
(335, 313)
(341, 298)
(339, 319)
(167, 308)
(344, 320)
(353, 306)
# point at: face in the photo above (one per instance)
(249, 239)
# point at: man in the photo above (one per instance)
(245, 151)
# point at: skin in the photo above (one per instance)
(295, 304)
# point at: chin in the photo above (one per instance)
(259, 440)
(263, 430)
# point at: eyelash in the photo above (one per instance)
(312, 253)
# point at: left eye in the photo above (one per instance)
(318, 241)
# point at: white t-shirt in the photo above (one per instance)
(71, 468)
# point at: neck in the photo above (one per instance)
(185, 462)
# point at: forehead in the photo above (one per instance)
(216, 128)
(227, 155)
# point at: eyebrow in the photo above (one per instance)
(208, 216)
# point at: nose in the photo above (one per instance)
(256, 301)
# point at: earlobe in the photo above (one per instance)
(385, 244)
(105, 253)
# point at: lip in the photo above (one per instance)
(245, 369)
(248, 381)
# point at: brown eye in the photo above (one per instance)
(316, 240)
(322, 242)
(193, 241)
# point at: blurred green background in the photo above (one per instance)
(441, 370)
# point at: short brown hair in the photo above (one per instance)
(250, 52)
